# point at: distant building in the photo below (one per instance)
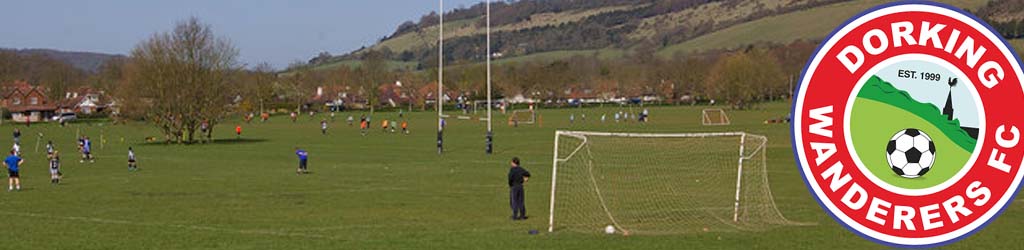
(84, 100)
(26, 102)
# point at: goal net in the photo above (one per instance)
(522, 117)
(713, 117)
(661, 183)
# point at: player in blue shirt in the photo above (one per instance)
(12, 163)
(87, 150)
(303, 155)
(49, 149)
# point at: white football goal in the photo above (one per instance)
(714, 117)
(655, 183)
(526, 116)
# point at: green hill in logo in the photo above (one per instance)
(882, 91)
(881, 110)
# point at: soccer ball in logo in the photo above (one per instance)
(910, 153)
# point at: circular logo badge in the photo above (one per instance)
(905, 125)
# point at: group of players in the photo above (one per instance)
(386, 125)
(14, 161)
(364, 126)
(618, 116)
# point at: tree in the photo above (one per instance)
(743, 78)
(110, 74)
(371, 74)
(297, 87)
(181, 78)
(261, 85)
(55, 76)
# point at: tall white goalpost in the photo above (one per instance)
(660, 183)
(490, 133)
(440, 78)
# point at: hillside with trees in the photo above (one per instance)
(736, 52)
(85, 61)
(555, 53)
(531, 27)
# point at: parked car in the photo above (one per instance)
(65, 117)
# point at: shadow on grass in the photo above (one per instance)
(214, 142)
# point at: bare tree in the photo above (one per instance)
(182, 78)
(262, 85)
(371, 74)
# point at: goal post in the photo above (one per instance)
(528, 116)
(714, 117)
(660, 183)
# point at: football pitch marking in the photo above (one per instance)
(179, 226)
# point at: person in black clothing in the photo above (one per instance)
(517, 176)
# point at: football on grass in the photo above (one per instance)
(609, 229)
(910, 153)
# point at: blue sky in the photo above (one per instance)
(278, 32)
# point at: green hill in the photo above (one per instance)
(880, 110)
(809, 24)
(879, 90)
(533, 30)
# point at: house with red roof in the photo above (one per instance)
(84, 100)
(26, 102)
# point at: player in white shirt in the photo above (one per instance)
(132, 166)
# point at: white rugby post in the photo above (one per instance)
(490, 133)
(440, 77)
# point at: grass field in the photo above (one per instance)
(870, 137)
(382, 191)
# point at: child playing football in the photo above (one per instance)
(55, 174)
(131, 160)
(323, 126)
(303, 156)
(49, 148)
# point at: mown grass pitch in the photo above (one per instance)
(382, 191)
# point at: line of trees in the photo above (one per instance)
(56, 76)
(186, 77)
(740, 78)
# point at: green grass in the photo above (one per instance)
(870, 137)
(1018, 45)
(381, 191)
(808, 24)
(428, 36)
